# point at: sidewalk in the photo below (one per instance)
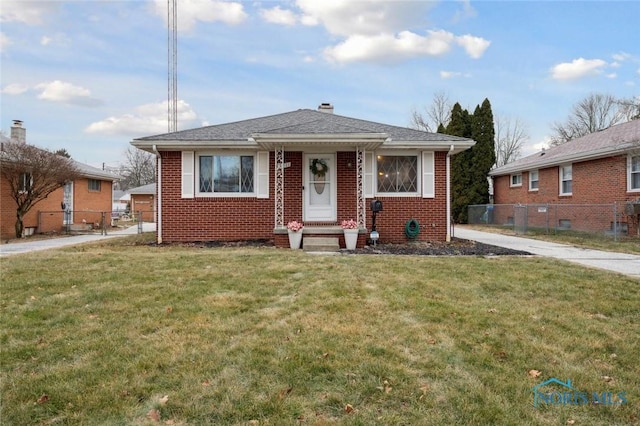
(51, 243)
(622, 263)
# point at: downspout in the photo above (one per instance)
(158, 194)
(448, 195)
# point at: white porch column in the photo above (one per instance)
(361, 201)
(279, 188)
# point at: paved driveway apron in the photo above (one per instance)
(622, 263)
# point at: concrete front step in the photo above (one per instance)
(320, 244)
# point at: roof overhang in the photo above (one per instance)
(366, 141)
(543, 163)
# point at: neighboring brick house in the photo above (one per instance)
(85, 198)
(599, 168)
(246, 180)
(142, 201)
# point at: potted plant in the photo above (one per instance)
(294, 229)
(319, 169)
(350, 228)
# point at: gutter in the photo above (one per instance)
(448, 191)
(154, 148)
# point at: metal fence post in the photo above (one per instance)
(139, 221)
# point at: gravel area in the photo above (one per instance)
(457, 247)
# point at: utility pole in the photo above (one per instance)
(172, 58)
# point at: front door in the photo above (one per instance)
(319, 188)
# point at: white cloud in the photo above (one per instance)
(148, 119)
(387, 47)
(451, 74)
(621, 56)
(14, 89)
(638, 71)
(192, 11)
(67, 93)
(348, 18)
(467, 11)
(577, 68)
(276, 15)
(45, 40)
(26, 12)
(612, 75)
(474, 46)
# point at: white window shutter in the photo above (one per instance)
(262, 187)
(428, 175)
(369, 178)
(188, 174)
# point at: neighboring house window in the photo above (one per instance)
(566, 180)
(634, 173)
(516, 180)
(222, 174)
(397, 173)
(94, 185)
(25, 182)
(533, 180)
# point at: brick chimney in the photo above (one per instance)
(18, 133)
(326, 107)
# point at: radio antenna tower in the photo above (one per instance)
(172, 57)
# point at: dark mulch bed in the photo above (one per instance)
(457, 247)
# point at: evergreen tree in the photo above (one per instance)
(469, 169)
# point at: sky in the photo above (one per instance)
(89, 76)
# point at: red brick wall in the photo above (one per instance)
(239, 218)
(600, 181)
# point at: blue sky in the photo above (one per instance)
(89, 76)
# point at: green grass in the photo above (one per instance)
(272, 336)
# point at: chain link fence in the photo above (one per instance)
(601, 219)
(89, 221)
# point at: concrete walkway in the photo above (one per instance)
(622, 263)
(51, 243)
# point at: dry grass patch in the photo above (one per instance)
(116, 334)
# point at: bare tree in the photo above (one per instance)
(591, 114)
(511, 135)
(139, 168)
(439, 112)
(32, 174)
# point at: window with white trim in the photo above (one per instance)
(25, 183)
(566, 180)
(533, 180)
(225, 174)
(634, 173)
(516, 180)
(397, 174)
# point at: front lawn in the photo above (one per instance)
(117, 334)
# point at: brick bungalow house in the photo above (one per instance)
(85, 198)
(599, 168)
(142, 199)
(247, 179)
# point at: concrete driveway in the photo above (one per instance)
(37, 245)
(622, 263)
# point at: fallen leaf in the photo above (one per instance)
(154, 415)
(284, 392)
(163, 401)
(607, 378)
(44, 398)
(424, 388)
(348, 408)
(431, 341)
(325, 355)
(613, 356)
(206, 383)
(493, 310)
(169, 309)
(534, 373)
(571, 421)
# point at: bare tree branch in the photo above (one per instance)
(139, 168)
(32, 174)
(591, 114)
(511, 135)
(439, 112)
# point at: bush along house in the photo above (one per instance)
(247, 180)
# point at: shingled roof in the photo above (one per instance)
(302, 121)
(611, 141)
